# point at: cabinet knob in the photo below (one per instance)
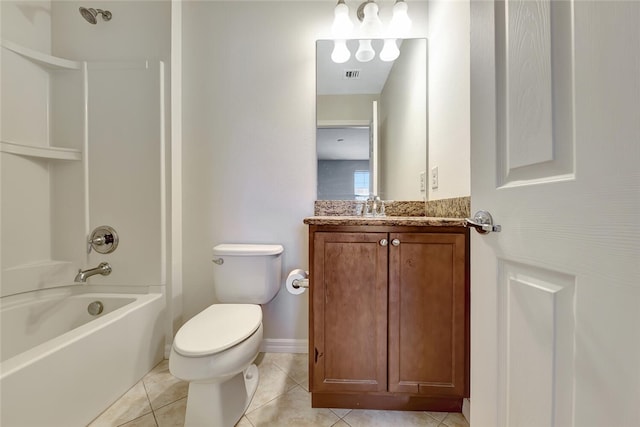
(395, 242)
(384, 242)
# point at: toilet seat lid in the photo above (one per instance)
(217, 328)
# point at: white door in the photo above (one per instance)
(555, 158)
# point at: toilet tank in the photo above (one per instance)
(247, 274)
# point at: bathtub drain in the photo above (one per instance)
(95, 308)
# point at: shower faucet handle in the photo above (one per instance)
(103, 240)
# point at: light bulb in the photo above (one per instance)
(340, 52)
(400, 24)
(342, 24)
(365, 51)
(390, 51)
(371, 24)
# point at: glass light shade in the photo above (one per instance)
(400, 24)
(390, 51)
(342, 24)
(340, 52)
(365, 51)
(371, 24)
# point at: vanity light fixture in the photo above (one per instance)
(341, 29)
(340, 52)
(365, 52)
(368, 16)
(390, 51)
(399, 27)
(342, 24)
(400, 24)
(370, 27)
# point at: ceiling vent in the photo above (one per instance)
(351, 74)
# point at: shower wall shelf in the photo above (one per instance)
(52, 63)
(50, 153)
(53, 91)
(42, 59)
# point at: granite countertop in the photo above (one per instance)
(386, 221)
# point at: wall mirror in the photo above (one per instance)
(371, 135)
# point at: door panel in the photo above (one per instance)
(536, 335)
(555, 295)
(427, 314)
(534, 91)
(350, 312)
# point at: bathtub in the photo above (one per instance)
(60, 365)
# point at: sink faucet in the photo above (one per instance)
(374, 206)
(104, 268)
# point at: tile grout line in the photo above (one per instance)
(286, 372)
(146, 392)
(275, 398)
(292, 367)
(166, 404)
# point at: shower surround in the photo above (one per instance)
(82, 145)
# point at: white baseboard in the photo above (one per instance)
(276, 345)
(466, 403)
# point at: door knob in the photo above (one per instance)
(483, 223)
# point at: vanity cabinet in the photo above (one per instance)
(389, 317)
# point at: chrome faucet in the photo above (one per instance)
(374, 206)
(104, 268)
(368, 205)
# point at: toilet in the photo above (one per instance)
(214, 350)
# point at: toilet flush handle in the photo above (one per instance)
(218, 261)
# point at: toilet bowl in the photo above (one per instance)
(215, 349)
(217, 364)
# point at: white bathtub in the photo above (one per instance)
(60, 366)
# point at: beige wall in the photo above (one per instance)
(249, 138)
(449, 98)
(403, 124)
(340, 109)
(248, 141)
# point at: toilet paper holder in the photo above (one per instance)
(297, 281)
(301, 283)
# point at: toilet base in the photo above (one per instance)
(221, 404)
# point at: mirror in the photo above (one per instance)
(371, 136)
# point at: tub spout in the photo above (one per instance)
(104, 268)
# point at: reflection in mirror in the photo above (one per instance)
(372, 124)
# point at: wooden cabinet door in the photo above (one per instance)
(349, 312)
(427, 320)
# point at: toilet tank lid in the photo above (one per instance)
(236, 249)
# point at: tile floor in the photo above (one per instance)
(282, 399)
